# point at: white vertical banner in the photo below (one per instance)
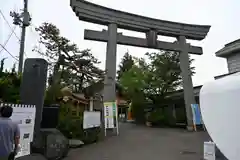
(108, 115)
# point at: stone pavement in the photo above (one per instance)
(143, 143)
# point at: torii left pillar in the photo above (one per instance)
(109, 92)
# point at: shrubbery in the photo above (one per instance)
(157, 117)
(72, 126)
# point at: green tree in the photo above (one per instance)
(9, 85)
(125, 65)
(164, 74)
(133, 83)
(151, 82)
(134, 80)
(161, 75)
(69, 66)
(2, 65)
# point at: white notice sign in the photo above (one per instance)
(209, 151)
(91, 119)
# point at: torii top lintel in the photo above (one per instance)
(90, 12)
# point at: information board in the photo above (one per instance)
(24, 116)
(91, 119)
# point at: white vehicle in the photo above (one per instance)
(220, 108)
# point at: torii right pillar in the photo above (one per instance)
(187, 81)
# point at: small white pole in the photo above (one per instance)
(117, 119)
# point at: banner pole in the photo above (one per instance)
(117, 118)
(194, 118)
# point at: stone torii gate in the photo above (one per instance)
(114, 19)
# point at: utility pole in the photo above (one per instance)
(23, 20)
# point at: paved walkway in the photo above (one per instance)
(143, 143)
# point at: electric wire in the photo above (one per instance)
(12, 29)
(9, 52)
(7, 40)
(13, 32)
(5, 19)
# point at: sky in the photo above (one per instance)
(220, 14)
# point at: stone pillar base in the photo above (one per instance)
(32, 156)
(190, 128)
(111, 132)
(148, 124)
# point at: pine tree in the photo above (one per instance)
(125, 65)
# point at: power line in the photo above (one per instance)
(13, 32)
(5, 19)
(12, 29)
(9, 52)
(7, 40)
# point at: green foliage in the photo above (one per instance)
(69, 66)
(156, 78)
(2, 65)
(52, 93)
(165, 72)
(138, 107)
(9, 85)
(134, 80)
(125, 65)
(157, 117)
(153, 80)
